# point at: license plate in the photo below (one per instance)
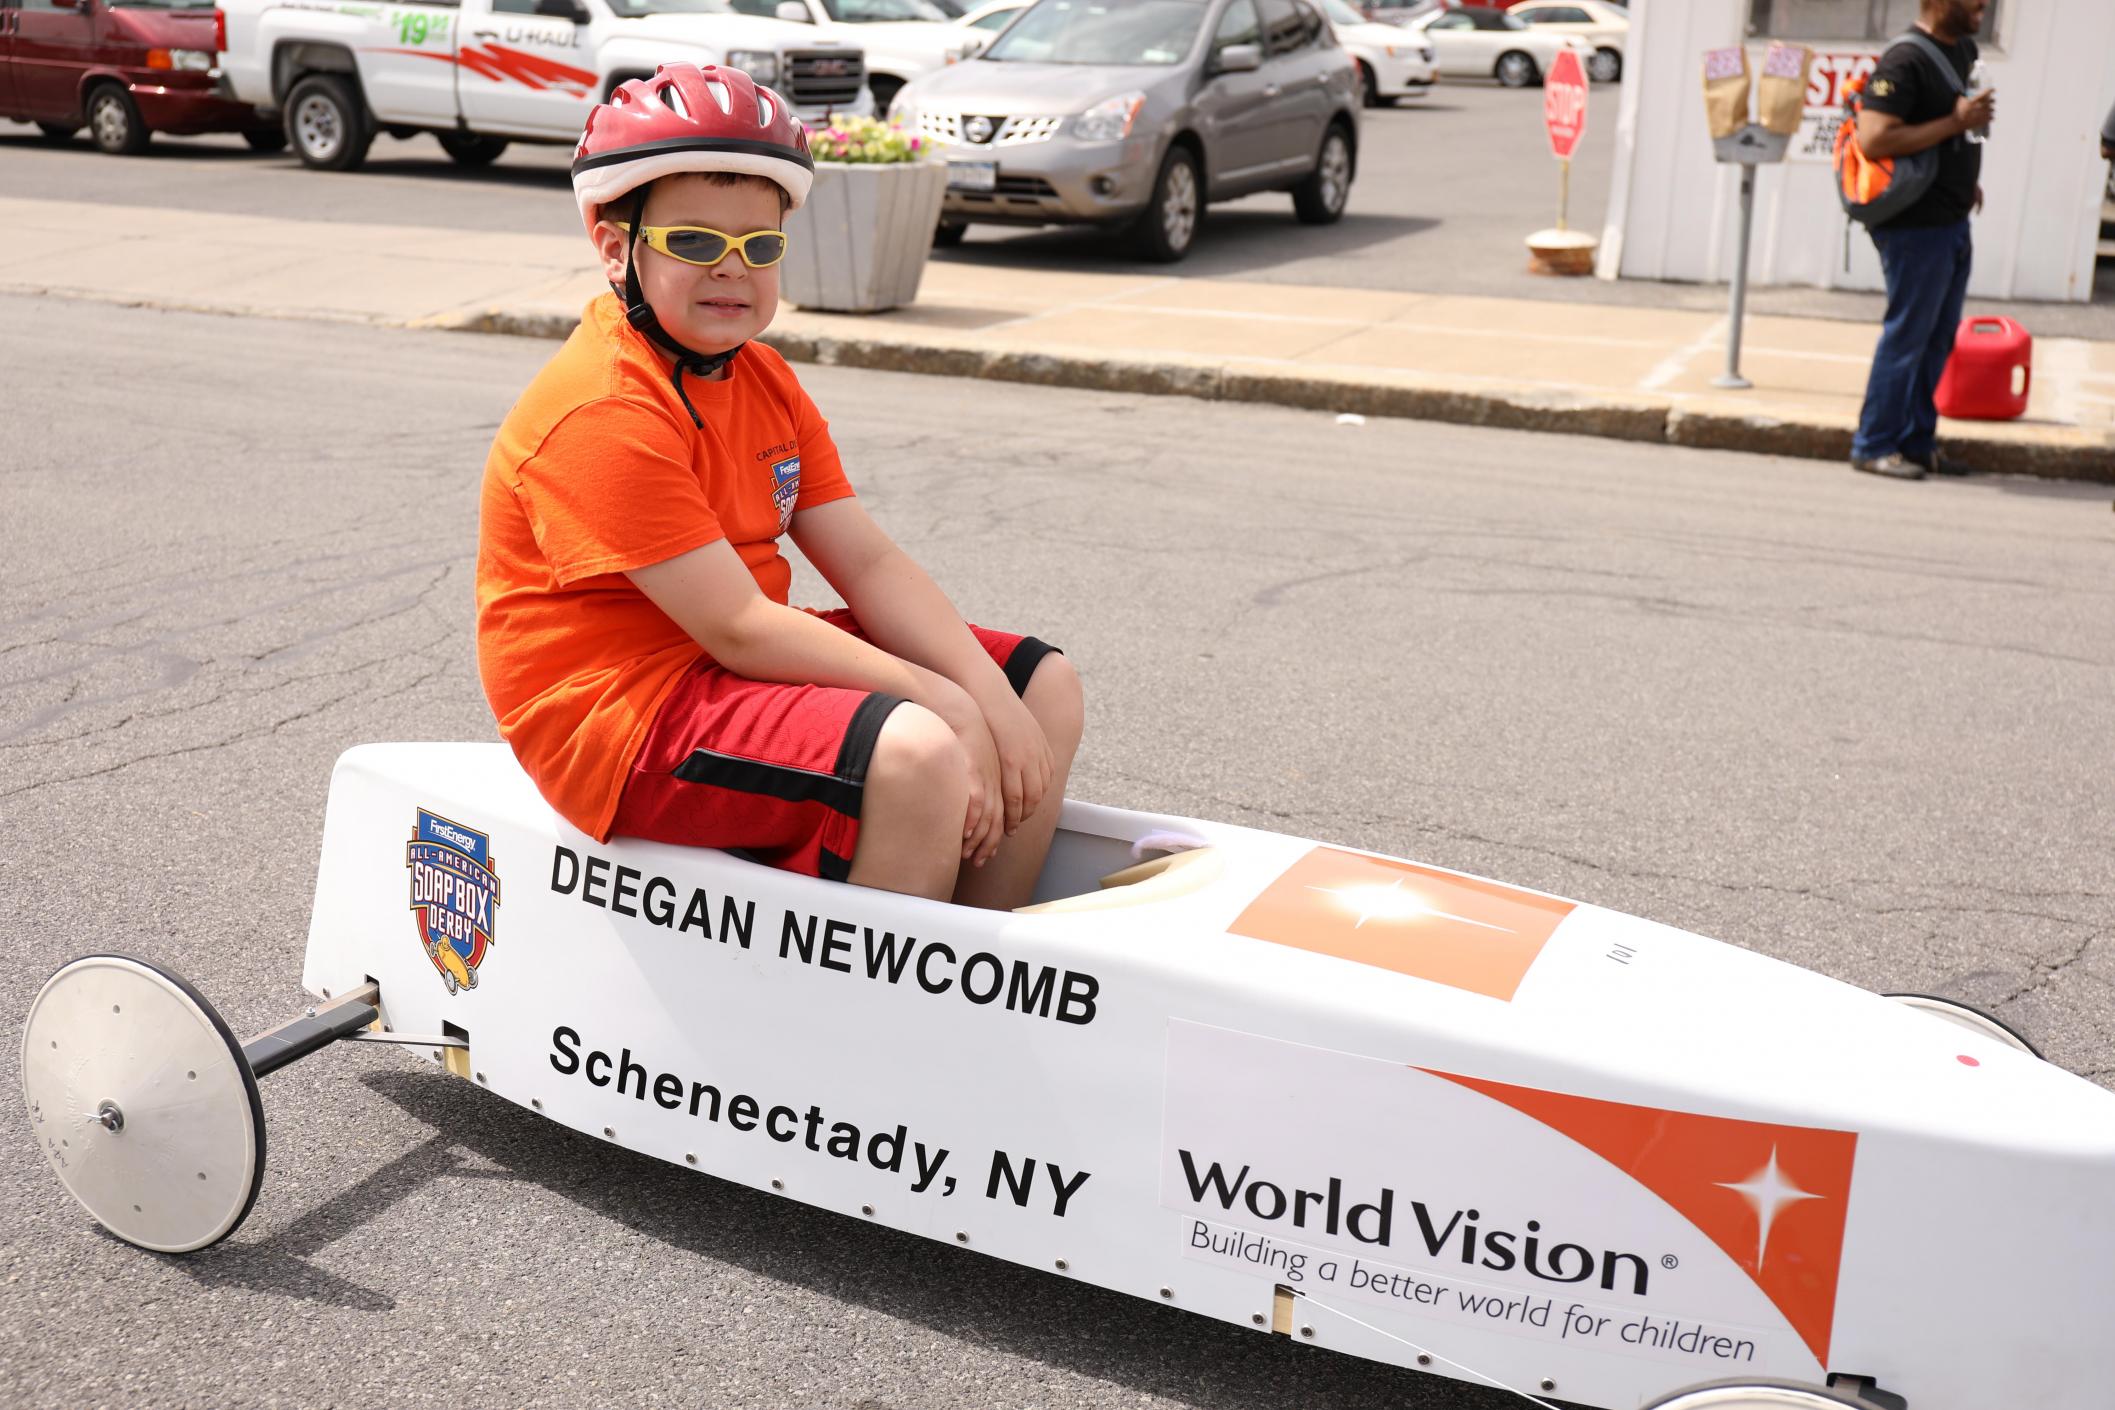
(973, 176)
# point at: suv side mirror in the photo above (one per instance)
(793, 12)
(1238, 58)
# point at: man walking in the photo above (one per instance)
(1910, 106)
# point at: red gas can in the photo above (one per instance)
(1987, 377)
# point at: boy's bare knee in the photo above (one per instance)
(918, 756)
(1055, 698)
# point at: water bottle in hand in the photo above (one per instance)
(1978, 81)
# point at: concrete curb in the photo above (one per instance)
(2076, 455)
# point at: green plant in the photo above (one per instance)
(864, 139)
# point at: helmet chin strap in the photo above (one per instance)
(640, 315)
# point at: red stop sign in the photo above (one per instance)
(1564, 104)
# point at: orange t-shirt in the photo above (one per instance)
(598, 470)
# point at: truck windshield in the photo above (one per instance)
(632, 9)
(1128, 32)
(882, 11)
(164, 4)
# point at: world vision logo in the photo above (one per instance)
(454, 896)
(1434, 925)
(1773, 1198)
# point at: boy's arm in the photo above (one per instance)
(903, 611)
(709, 593)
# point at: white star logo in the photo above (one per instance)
(1392, 902)
(1767, 1191)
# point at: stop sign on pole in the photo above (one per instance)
(1564, 104)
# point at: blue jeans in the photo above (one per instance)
(1927, 279)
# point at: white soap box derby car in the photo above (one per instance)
(1373, 1106)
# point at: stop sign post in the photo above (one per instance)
(1564, 116)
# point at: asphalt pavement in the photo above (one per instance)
(1855, 724)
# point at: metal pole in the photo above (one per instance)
(1732, 380)
(1564, 193)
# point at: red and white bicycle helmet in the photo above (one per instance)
(683, 119)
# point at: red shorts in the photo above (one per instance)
(774, 772)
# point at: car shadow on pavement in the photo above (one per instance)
(281, 1264)
(1233, 241)
(1153, 1349)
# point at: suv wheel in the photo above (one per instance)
(1165, 232)
(114, 121)
(472, 149)
(57, 131)
(1320, 199)
(948, 234)
(1516, 70)
(327, 123)
(1606, 66)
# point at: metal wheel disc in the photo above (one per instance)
(1752, 1395)
(141, 1099)
(317, 121)
(108, 119)
(1969, 1017)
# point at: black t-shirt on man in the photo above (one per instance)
(1908, 85)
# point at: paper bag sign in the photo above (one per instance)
(1726, 90)
(1781, 96)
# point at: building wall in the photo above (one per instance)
(1674, 212)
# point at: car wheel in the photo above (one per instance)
(57, 131)
(1320, 199)
(1369, 87)
(948, 234)
(1606, 66)
(1169, 226)
(471, 149)
(327, 123)
(114, 121)
(1516, 70)
(265, 139)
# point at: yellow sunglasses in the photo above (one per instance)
(696, 244)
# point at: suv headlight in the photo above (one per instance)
(759, 64)
(1110, 120)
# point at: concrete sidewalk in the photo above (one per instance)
(1631, 373)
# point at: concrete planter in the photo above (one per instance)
(859, 244)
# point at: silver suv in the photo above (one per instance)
(1136, 113)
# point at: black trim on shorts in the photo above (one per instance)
(858, 749)
(772, 780)
(1026, 657)
(831, 867)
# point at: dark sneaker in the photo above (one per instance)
(1892, 465)
(1939, 463)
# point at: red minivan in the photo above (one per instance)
(126, 70)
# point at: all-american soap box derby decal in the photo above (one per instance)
(1377, 1187)
(454, 896)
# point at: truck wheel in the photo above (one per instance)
(1320, 199)
(471, 149)
(1517, 70)
(1166, 230)
(57, 131)
(327, 123)
(1606, 66)
(114, 121)
(948, 234)
(884, 88)
(265, 139)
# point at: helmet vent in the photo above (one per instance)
(672, 98)
(763, 110)
(718, 90)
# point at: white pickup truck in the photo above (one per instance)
(482, 73)
(903, 39)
